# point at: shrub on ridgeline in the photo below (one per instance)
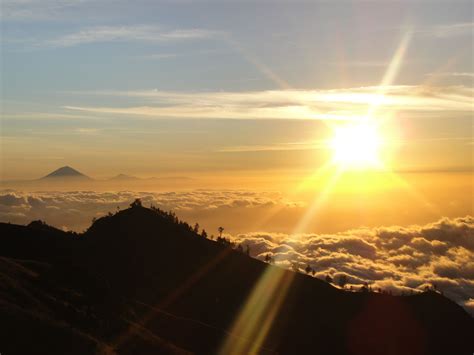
(136, 203)
(267, 258)
(364, 287)
(295, 267)
(226, 242)
(342, 281)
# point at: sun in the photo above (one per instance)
(356, 145)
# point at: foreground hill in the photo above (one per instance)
(140, 281)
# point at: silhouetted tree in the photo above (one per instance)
(226, 242)
(342, 281)
(313, 272)
(240, 249)
(295, 267)
(247, 250)
(196, 228)
(220, 229)
(308, 269)
(204, 234)
(267, 258)
(39, 224)
(364, 287)
(136, 203)
(328, 279)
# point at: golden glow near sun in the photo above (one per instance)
(356, 145)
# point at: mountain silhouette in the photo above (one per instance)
(142, 281)
(66, 172)
(123, 177)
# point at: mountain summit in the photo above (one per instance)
(66, 172)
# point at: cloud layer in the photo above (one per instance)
(397, 259)
(75, 210)
(290, 104)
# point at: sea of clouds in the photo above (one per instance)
(396, 259)
(75, 209)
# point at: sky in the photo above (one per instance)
(158, 87)
(247, 95)
(335, 133)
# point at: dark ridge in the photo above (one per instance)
(142, 281)
(43, 226)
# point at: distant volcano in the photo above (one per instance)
(123, 177)
(66, 172)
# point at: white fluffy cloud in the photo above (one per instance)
(397, 259)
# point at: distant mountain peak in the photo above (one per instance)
(124, 177)
(65, 172)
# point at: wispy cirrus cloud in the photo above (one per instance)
(447, 30)
(160, 56)
(451, 30)
(362, 64)
(136, 33)
(469, 75)
(288, 104)
(27, 10)
(317, 144)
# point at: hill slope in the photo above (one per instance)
(140, 281)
